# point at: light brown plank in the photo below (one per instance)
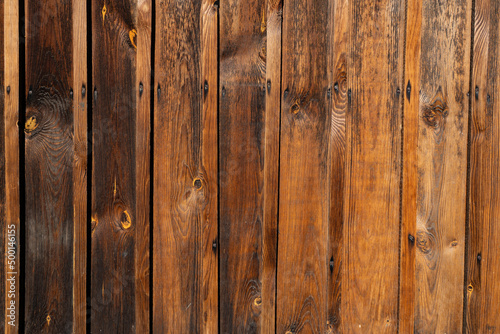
(373, 167)
(483, 276)
(10, 215)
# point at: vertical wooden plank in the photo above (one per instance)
(241, 160)
(373, 167)
(339, 48)
(304, 169)
(185, 168)
(441, 165)
(483, 276)
(51, 183)
(9, 162)
(411, 107)
(121, 61)
(80, 98)
(273, 29)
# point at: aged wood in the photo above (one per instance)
(339, 41)
(185, 167)
(303, 247)
(443, 83)
(242, 96)
(9, 175)
(410, 92)
(273, 29)
(482, 288)
(373, 167)
(120, 185)
(51, 183)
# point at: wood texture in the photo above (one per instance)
(185, 168)
(373, 167)
(49, 168)
(120, 181)
(441, 166)
(337, 71)
(482, 289)
(304, 169)
(9, 178)
(242, 107)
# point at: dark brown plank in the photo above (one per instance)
(339, 48)
(304, 206)
(185, 168)
(242, 99)
(119, 286)
(373, 167)
(273, 29)
(483, 276)
(9, 178)
(441, 165)
(49, 173)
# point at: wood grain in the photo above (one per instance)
(49, 150)
(185, 168)
(303, 247)
(120, 185)
(273, 29)
(441, 166)
(482, 289)
(373, 167)
(242, 98)
(337, 71)
(9, 180)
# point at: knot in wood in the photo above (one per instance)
(434, 115)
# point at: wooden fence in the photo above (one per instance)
(250, 166)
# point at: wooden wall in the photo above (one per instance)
(259, 166)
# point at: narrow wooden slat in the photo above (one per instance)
(80, 146)
(10, 215)
(185, 168)
(443, 83)
(49, 167)
(373, 167)
(303, 248)
(337, 71)
(242, 97)
(9, 170)
(411, 106)
(273, 29)
(120, 260)
(483, 276)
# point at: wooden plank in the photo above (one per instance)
(80, 147)
(10, 203)
(339, 48)
(483, 291)
(273, 29)
(304, 205)
(441, 166)
(185, 168)
(373, 167)
(53, 179)
(411, 107)
(120, 183)
(242, 116)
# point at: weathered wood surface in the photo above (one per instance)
(373, 167)
(121, 38)
(304, 168)
(483, 256)
(442, 83)
(242, 141)
(185, 168)
(54, 167)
